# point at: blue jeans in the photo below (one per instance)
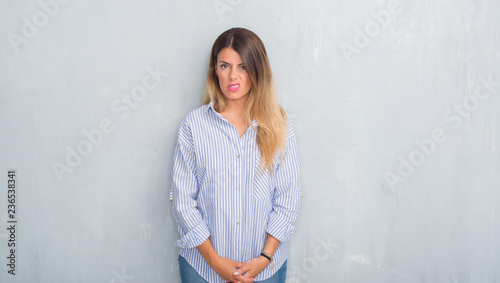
(189, 275)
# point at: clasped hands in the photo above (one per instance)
(239, 272)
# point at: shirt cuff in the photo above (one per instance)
(194, 237)
(279, 227)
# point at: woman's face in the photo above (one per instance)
(234, 80)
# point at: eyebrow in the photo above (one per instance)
(229, 64)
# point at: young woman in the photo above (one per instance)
(235, 172)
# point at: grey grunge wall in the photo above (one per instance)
(396, 111)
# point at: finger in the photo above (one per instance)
(242, 270)
(239, 264)
(245, 263)
(244, 279)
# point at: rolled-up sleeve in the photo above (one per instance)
(286, 200)
(192, 228)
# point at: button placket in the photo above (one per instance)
(239, 200)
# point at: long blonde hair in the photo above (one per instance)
(262, 104)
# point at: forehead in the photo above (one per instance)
(229, 55)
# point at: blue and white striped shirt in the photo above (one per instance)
(218, 193)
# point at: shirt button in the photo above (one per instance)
(238, 222)
(238, 188)
(238, 156)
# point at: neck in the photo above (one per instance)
(236, 107)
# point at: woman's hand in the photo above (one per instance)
(226, 268)
(253, 267)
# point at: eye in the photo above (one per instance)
(223, 66)
(243, 67)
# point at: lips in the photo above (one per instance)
(233, 87)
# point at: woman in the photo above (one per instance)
(235, 172)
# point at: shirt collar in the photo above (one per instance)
(255, 124)
(210, 105)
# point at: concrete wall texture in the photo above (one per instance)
(396, 110)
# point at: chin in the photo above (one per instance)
(234, 96)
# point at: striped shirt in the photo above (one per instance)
(218, 193)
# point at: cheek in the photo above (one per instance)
(246, 77)
(220, 76)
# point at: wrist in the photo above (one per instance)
(213, 260)
(261, 257)
(263, 261)
(266, 255)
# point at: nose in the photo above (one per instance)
(233, 74)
